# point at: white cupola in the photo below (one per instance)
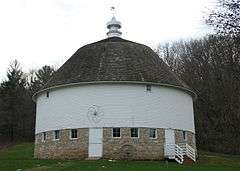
(114, 27)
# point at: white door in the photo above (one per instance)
(95, 142)
(169, 142)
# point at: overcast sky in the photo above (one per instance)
(48, 32)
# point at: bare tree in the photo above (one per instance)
(226, 18)
(211, 67)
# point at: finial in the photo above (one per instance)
(113, 10)
(113, 26)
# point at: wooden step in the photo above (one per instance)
(187, 160)
(93, 158)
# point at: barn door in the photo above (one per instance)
(95, 142)
(169, 142)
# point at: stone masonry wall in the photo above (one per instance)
(64, 147)
(126, 147)
(190, 138)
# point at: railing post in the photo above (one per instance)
(190, 152)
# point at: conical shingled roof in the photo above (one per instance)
(114, 59)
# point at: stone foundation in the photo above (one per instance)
(190, 138)
(125, 147)
(64, 147)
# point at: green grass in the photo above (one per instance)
(21, 157)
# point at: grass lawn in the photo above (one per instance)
(21, 157)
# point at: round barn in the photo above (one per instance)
(115, 99)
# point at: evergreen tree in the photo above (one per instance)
(40, 77)
(14, 109)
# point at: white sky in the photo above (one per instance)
(48, 32)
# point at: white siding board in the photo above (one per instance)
(123, 105)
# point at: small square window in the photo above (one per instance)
(134, 132)
(56, 134)
(44, 136)
(73, 133)
(148, 87)
(153, 133)
(47, 94)
(116, 132)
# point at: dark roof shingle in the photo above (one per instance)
(114, 59)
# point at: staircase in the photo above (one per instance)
(180, 152)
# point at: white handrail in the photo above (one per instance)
(178, 154)
(190, 152)
(179, 150)
(183, 146)
(169, 148)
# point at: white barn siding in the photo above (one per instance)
(123, 105)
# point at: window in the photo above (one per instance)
(148, 87)
(153, 133)
(184, 135)
(47, 94)
(44, 136)
(116, 133)
(73, 133)
(56, 134)
(134, 132)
